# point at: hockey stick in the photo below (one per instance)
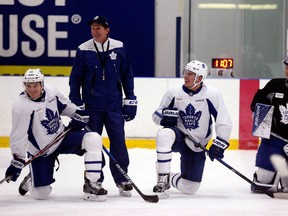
(5, 179)
(42, 151)
(198, 144)
(147, 198)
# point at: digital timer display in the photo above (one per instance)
(224, 63)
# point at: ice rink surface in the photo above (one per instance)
(222, 192)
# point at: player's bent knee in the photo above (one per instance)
(265, 176)
(41, 193)
(165, 136)
(92, 142)
(186, 186)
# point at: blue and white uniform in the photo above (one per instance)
(35, 123)
(99, 75)
(198, 111)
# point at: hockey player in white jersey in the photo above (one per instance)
(186, 113)
(36, 121)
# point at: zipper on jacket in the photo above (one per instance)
(93, 81)
(103, 74)
(118, 79)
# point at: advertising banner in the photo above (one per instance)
(47, 33)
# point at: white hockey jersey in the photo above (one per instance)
(36, 124)
(197, 113)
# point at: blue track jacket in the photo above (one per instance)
(101, 78)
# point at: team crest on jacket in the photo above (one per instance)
(113, 55)
(284, 113)
(52, 122)
(190, 117)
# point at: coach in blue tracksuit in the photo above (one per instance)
(100, 72)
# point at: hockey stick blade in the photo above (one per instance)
(280, 164)
(147, 198)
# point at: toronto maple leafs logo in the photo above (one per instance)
(284, 113)
(113, 56)
(191, 118)
(52, 122)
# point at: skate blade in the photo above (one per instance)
(95, 198)
(125, 193)
(162, 195)
(22, 191)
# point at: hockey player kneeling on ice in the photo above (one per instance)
(36, 123)
(275, 94)
(186, 113)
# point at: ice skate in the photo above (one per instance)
(24, 185)
(125, 189)
(94, 191)
(163, 184)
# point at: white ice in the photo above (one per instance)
(222, 192)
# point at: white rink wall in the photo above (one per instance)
(149, 92)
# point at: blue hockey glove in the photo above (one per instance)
(14, 169)
(217, 148)
(79, 120)
(129, 108)
(169, 117)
